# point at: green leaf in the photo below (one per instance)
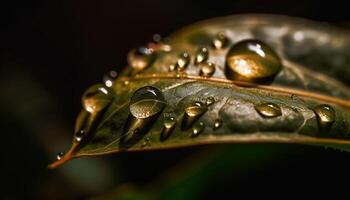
(258, 79)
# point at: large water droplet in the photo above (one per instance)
(145, 106)
(217, 123)
(59, 155)
(182, 61)
(207, 69)
(96, 98)
(253, 61)
(209, 100)
(192, 113)
(197, 129)
(141, 57)
(146, 102)
(220, 41)
(168, 127)
(325, 117)
(268, 110)
(202, 55)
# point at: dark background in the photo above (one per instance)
(51, 51)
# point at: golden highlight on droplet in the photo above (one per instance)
(252, 61)
(220, 41)
(140, 58)
(207, 69)
(202, 55)
(325, 115)
(268, 110)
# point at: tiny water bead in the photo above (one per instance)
(157, 38)
(109, 78)
(202, 55)
(59, 155)
(217, 123)
(96, 98)
(325, 116)
(220, 41)
(183, 61)
(141, 57)
(192, 113)
(253, 61)
(197, 129)
(146, 142)
(146, 102)
(79, 136)
(209, 100)
(168, 127)
(268, 110)
(207, 69)
(172, 68)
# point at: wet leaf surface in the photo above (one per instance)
(259, 79)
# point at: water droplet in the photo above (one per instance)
(59, 155)
(96, 98)
(209, 100)
(109, 78)
(157, 38)
(220, 41)
(146, 142)
(182, 61)
(202, 55)
(126, 82)
(168, 127)
(197, 129)
(172, 68)
(217, 123)
(325, 117)
(141, 57)
(192, 113)
(146, 102)
(207, 69)
(79, 136)
(268, 110)
(253, 61)
(165, 47)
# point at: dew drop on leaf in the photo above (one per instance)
(202, 55)
(253, 61)
(182, 61)
(168, 127)
(146, 102)
(172, 68)
(96, 98)
(325, 116)
(140, 58)
(207, 69)
(109, 78)
(217, 123)
(192, 113)
(59, 155)
(209, 100)
(197, 129)
(220, 41)
(268, 110)
(146, 142)
(79, 136)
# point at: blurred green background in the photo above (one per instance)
(51, 51)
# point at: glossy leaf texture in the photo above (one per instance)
(235, 79)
